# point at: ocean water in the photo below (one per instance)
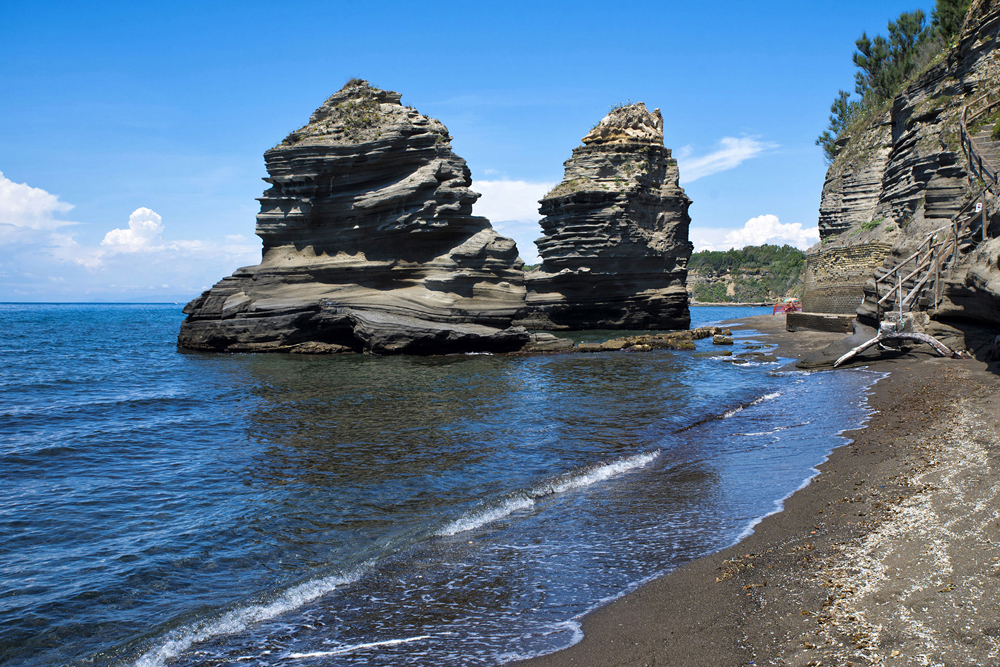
(162, 507)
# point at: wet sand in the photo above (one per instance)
(891, 556)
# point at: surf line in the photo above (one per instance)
(525, 500)
(236, 620)
(731, 411)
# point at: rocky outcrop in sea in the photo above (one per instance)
(369, 245)
(615, 234)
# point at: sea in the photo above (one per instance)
(165, 507)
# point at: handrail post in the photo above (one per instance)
(954, 247)
(937, 283)
(984, 215)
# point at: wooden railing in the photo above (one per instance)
(972, 112)
(933, 255)
(938, 249)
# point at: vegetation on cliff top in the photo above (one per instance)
(886, 64)
(756, 273)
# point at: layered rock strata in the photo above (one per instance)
(902, 176)
(615, 234)
(369, 245)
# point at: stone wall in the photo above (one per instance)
(835, 277)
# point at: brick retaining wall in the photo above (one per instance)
(835, 278)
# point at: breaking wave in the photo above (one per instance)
(522, 501)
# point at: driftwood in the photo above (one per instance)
(883, 335)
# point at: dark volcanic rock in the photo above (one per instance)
(615, 245)
(369, 245)
(674, 340)
(901, 177)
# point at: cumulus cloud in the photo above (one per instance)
(42, 261)
(512, 207)
(730, 153)
(756, 231)
(143, 233)
(24, 206)
(510, 200)
(27, 214)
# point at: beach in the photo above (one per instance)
(890, 555)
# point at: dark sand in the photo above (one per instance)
(891, 556)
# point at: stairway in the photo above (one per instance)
(989, 150)
(916, 279)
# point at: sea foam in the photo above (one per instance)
(179, 640)
(522, 501)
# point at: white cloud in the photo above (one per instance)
(512, 207)
(756, 231)
(27, 214)
(40, 261)
(510, 200)
(144, 228)
(24, 206)
(731, 153)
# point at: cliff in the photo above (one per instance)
(752, 274)
(369, 245)
(904, 181)
(615, 234)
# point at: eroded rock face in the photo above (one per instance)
(902, 177)
(615, 244)
(369, 245)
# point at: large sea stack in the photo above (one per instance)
(615, 245)
(369, 245)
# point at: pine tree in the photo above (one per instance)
(948, 16)
(841, 112)
(884, 65)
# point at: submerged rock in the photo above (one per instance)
(369, 245)
(615, 244)
(673, 340)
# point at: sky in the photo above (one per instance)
(132, 134)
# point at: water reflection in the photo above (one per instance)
(372, 457)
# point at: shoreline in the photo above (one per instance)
(835, 577)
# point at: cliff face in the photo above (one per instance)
(615, 234)
(369, 244)
(903, 176)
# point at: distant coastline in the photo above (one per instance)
(762, 304)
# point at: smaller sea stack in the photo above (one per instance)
(615, 244)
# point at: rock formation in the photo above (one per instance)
(901, 178)
(369, 245)
(615, 244)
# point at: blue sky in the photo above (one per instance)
(158, 115)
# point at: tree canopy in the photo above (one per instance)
(885, 64)
(758, 273)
